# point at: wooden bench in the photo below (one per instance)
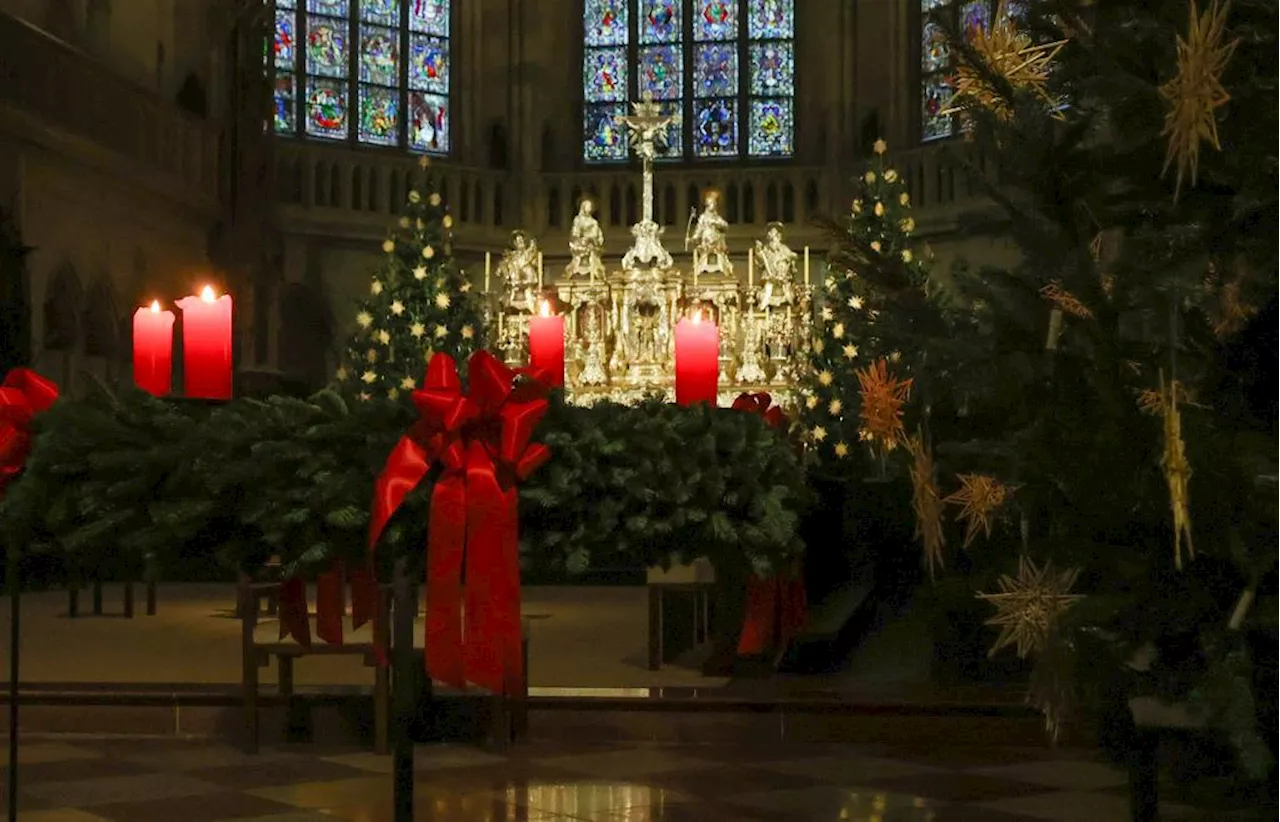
(697, 579)
(258, 655)
(508, 716)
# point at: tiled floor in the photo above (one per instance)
(164, 780)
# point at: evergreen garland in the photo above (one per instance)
(293, 478)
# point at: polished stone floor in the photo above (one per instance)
(164, 780)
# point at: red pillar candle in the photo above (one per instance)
(153, 350)
(546, 344)
(697, 360)
(206, 345)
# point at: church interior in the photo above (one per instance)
(139, 124)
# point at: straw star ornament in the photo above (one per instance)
(979, 498)
(1196, 92)
(882, 397)
(1009, 54)
(1028, 605)
(927, 503)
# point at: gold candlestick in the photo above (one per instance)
(806, 266)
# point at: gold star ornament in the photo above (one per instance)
(1028, 605)
(1195, 93)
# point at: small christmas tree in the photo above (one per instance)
(419, 303)
(873, 304)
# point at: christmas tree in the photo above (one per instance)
(1077, 408)
(419, 303)
(878, 300)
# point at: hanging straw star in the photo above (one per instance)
(1065, 301)
(1196, 92)
(1009, 54)
(1177, 471)
(883, 397)
(1028, 605)
(927, 503)
(980, 497)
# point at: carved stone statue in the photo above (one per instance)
(707, 237)
(778, 269)
(518, 270)
(586, 242)
(647, 250)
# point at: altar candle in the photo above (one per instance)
(751, 267)
(539, 270)
(153, 349)
(488, 265)
(546, 343)
(206, 345)
(697, 360)
(806, 266)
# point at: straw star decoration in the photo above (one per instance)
(1065, 301)
(1196, 92)
(927, 503)
(979, 497)
(1028, 604)
(1177, 471)
(883, 397)
(1009, 54)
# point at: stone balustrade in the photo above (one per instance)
(363, 189)
(357, 191)
(57, 85)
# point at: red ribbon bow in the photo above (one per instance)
(760, 403)
(23, 394)
(482, 442)
(776, 606)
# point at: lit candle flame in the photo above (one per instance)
(207, 295)
(155, 306)
(697, 316)
(544, 309)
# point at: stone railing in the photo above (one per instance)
(60, 86)
(326, 185)
(337, 189)
(940, 184)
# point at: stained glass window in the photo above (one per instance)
(727, 68)
(936, 58)
(373, 71)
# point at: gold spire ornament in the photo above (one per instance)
(1177, 471)
(1196, 92)
(980, 497)
(883, 397)
(927, 503)
(1009, 54)
(1028, 605)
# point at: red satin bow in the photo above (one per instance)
(23, 394)
(482, 442)
(759, 403)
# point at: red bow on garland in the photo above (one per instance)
(760, 404)
(775, 606)
(23, 394)
(481, 440)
